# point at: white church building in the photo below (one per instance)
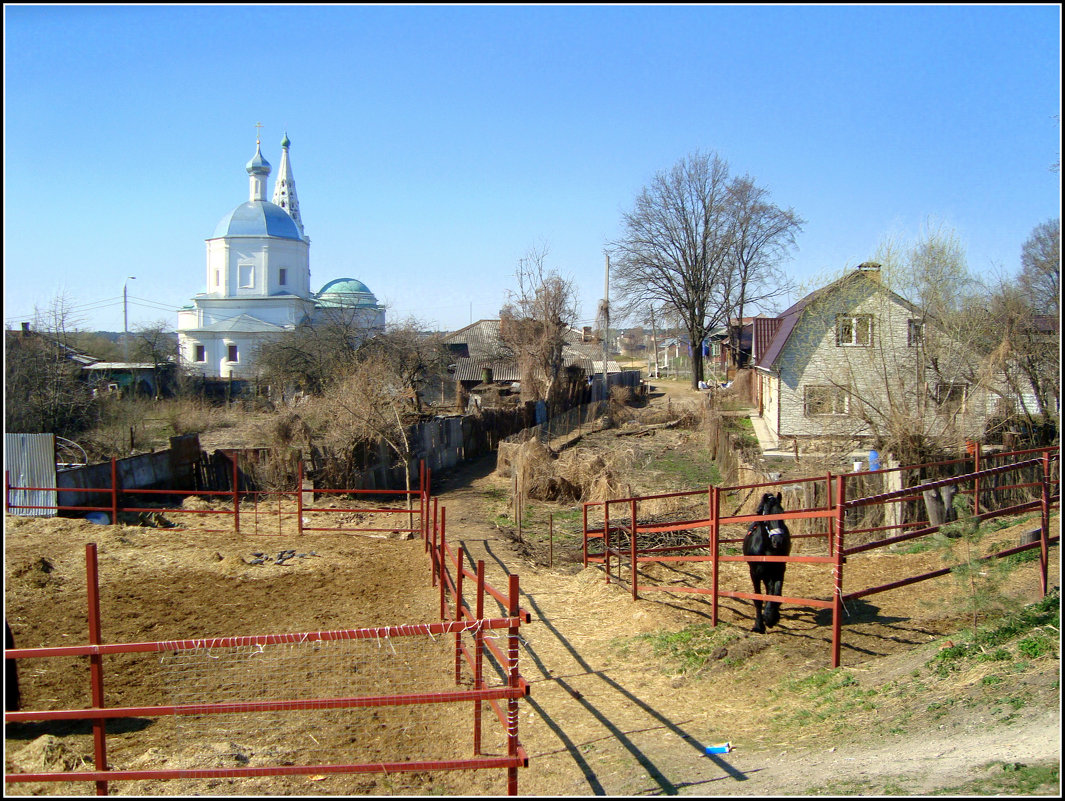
(259, 282)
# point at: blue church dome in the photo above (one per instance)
(346, 292)
(257, 218)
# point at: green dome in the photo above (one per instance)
(346, 292)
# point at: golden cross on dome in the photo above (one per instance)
(258, 125)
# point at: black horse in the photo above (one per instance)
(767, 538)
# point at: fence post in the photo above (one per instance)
(606, 538)
(236, 495)
(432, 545)
(976, 481)
(478, 659)
(460, 566)
(96, 664)
(299, 497)
(632, 549)
(423, 498)
(114, 492)
(830, 497)
(584, 547)
(443, 564)
(513, 681)
(837, 571)
(715, 512)
(1044, 523)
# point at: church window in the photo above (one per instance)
(218, 278)
(247, 276)
(282, 274)
(199, 353)
(231, 353)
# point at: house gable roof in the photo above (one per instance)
(785, 324)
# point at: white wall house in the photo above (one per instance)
(258, 281)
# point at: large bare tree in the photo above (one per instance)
(535, 321)
(763, 236)
(1020, 320)
(699, 242)
(1041, 268)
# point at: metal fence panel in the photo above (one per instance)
(29, 460)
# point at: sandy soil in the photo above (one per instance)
(606, 713)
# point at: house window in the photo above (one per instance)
(199, 354)
(854, 330)
(282, 275)
(231, 353)
(952, 396)
(914, 332)
(821, 401)
(247, 276)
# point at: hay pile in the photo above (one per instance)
(48, 754)
(577, 475)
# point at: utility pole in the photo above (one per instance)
(654, 340)
(125, 319)
(606, 323)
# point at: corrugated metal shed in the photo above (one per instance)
(29, 460)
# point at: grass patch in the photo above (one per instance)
(931, 542)
(686, 470)
(1010, 778)
(999, 778)
(1031, 633)
(689, 650)
(830, 696)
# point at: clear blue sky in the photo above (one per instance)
(433, 146)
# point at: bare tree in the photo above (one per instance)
(313, 356)
(534, 324)
(370, 404)
(1026, 351)
(417, 360)
(155, 343)
(702, 244)
(44, 391)
(1019, 319)
(763, 237)
(1041, 268)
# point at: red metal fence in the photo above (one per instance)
(462, 613)
(1013, 485)
(133, 501)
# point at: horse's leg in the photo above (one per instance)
(759, 626)
(774, 586)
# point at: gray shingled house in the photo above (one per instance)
(855, 361)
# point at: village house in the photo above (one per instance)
(486, 371)
(854, 361)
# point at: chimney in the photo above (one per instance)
(586, 333)
(871, 269)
